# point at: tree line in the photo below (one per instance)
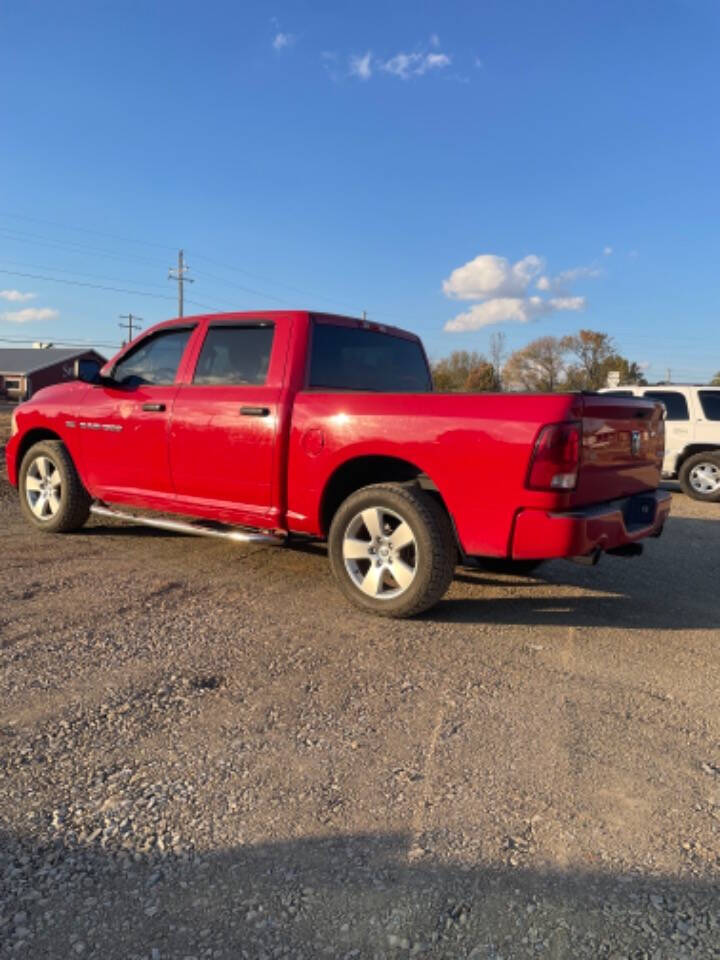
(581, 361)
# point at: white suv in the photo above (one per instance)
(692, 434)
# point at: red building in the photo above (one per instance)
(25, 370)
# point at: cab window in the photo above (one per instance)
(710, 401)
(155, 360)
(675, 403)
(235, 355)
(345, 357)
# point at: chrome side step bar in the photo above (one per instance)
(180, 526)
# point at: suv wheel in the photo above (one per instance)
(392, 550)
(700, 477)
(52, 496)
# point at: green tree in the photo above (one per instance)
(630, 372)
(715, 382)
(464, 372)
(595, 356)
(592, 351)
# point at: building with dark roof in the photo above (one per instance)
(25, 370)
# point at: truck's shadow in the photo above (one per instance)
(356, 896)
(673, 586)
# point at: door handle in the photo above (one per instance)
(255, 411)
(154, 407)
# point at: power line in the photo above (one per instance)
(64, 343)
(71, 246)
(239, 286)
(79, 283)
(79, 273)
(98, 286)
(99, 233)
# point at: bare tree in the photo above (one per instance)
(537, 367)
(497, 356)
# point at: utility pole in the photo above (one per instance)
(132, 324)
(178, 273)
(669, 375)
(364, 314)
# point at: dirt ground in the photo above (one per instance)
(204, 752)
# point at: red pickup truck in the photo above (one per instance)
(281, 424)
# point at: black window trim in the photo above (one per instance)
(651, 394)
(152, 335)
(701, 394)
(328, 320)
(229, 322)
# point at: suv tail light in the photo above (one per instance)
(556, 457)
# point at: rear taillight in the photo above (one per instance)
(556, 457)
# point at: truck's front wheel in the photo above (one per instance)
(392, 550)
(52, 496)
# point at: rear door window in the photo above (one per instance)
(235, 355)
(355, 358)
(674, 402)
(710, 402)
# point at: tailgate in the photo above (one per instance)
(622, 447)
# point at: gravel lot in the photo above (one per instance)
(204, 752)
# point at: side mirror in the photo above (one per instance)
(87, 370)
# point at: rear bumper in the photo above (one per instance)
(541, 535)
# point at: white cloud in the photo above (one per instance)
(434, 40)
(361, 66)
(561, 281)
(402, 65)
(283, 40)
(406, 65)
(502, 289)
(478, 63)
(607, 251)
(15, 296)
(567, 303)
(492, 276)
(510, 310)
(29, 315)
(434, 61)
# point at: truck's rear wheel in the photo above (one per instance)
(392, 550)
(52, 496)
(700, 477)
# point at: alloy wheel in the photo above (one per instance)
(43, 488)
(380, 553)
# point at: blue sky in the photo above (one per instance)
(456, 168)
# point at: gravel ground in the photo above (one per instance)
(204, 752)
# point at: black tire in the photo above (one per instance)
(431, 556)
(73, 499)
(691, 481)
(519, 568)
